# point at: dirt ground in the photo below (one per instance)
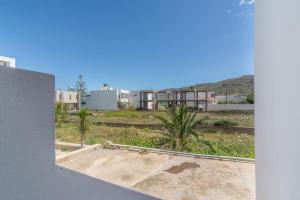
(169, 177)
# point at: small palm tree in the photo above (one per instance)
(64, 113)
(58, 113)
(180, 124)
(83, 126)
(61, 113)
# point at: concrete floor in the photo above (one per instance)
(169, 177)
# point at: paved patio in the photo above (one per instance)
(169, 177)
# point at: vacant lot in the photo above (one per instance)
(243, 119)
(230, 144)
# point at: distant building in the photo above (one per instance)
(106, 99)
(155, 100)
(7, 62)
(68, 98)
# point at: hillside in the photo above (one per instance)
(236, 86)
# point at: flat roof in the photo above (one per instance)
(168, 176)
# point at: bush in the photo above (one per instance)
(233, 102)
(93, 140)
(204, 120)
(250, 98)
(131, 108)
(125, 114)
(225, 123)
(61, 113)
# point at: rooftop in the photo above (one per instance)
(168, 176)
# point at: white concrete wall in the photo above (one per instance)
(102, 100)
(10, 61)
(134, 99)
(27, 154)
(277, 70)
(230, 107)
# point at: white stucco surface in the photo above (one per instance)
(277, 69)
(102, 100)
(27, 150)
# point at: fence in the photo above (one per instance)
(230, 107)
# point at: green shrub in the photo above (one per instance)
(125, 113)
(225, 123)
(93, 140)
(61, 113)
(204, 120)
(233, 102)
(250, 98)
(131, 108)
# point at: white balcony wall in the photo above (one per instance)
(27, 149)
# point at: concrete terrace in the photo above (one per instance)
(167, 176)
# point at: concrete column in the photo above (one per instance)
(277, 81)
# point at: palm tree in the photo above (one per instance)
(64, 113)
(180, 125)
(58, 113)
(83, 126)
(61, 113)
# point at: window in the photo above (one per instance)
(4, 64)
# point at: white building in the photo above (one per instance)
(155, 100)
(68, 98)
(7, 62)
(106, 99)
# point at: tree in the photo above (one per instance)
(250, 98)
(80, 86)
(180, 125)
(83, 124)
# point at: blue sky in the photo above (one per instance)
(131, 44)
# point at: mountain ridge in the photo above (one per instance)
(242, 85)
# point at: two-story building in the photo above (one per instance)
(70, 99)
(155, 100)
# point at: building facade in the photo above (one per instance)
(156, 100)
(7, 62)
(70, 99)
(106, 99)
